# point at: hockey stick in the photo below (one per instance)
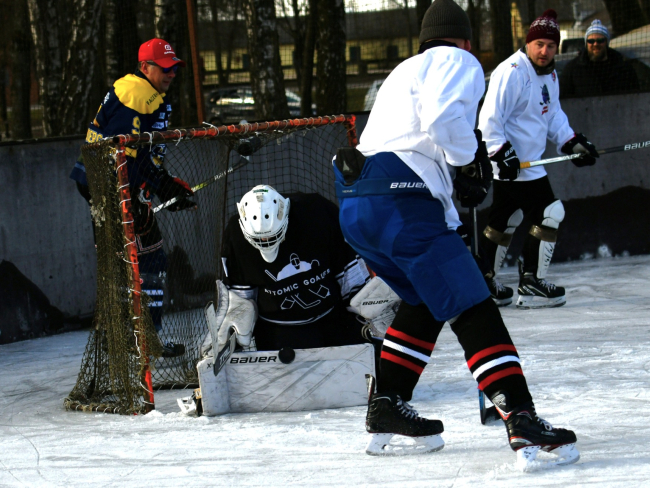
(609, 150)
(487, 414)
(243, 161)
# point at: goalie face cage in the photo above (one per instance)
(122, 365)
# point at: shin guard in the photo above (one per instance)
(490, 354)
(408, 343)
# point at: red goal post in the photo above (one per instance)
(121, 366)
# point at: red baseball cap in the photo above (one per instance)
(160, 52)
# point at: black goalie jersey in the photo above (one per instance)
(315, 268)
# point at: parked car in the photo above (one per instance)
(232, 104)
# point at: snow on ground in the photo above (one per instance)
(587, 366)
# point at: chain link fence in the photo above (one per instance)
(58, 57)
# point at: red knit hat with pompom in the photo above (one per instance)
(545, 27)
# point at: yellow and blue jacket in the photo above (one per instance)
(131, 106)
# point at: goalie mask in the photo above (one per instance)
(263, 218)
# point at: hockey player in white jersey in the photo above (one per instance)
(521, 110)
(396, 212)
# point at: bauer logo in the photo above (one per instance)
(637, 145)
(407, 184)
(246, 360)
(374, 302)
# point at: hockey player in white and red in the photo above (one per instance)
(420, 133)
(288, 255)
(521, 110)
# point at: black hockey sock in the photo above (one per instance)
(407, 346)
(490, 354)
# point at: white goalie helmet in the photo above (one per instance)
(263, 218)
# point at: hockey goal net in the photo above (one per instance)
(122, 364)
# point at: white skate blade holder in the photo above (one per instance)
(526, 302)
(380, 445)
(527, 457)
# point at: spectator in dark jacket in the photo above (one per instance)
(598, 69)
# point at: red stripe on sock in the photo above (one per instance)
(498, 375)
(490, 350)
(405, 337)
(401, 361)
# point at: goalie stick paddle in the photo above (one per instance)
(490, 414)
(609, 150)
(224, 354)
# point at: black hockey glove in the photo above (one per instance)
(507, 162)
(473, 180)
(173, 187)
(143, 217)
(580, 145)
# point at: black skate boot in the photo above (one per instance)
(501, 294)
(389, 415)
(536, 292)
(528, 434)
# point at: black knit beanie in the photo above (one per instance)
(445, 18)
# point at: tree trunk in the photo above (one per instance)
(626, 15)
(409, 33)
(21, 67)
(172, 26)
(331, 94)
(267, 78)
(307, 81)
(421, 7)
(501, 21)
(475, 14)
(65, 43)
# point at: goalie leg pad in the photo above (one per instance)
(232, 313)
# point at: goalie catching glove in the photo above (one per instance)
(377, 303)
(233, 315)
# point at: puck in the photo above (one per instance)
(286, 355)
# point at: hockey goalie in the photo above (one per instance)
(296, 314)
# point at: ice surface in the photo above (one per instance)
(587, 365)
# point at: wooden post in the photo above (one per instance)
(131, 257)
(198, 86)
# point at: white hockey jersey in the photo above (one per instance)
(425, 113)
(524, 108)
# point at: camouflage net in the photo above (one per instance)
(121, 365)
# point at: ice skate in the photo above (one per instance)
(501, 294)
(388, 416)
(528, 434)
(538, 293)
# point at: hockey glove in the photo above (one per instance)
(473, 180)
(507, 162)
(580, 145)
(143, 217)
(173, 187)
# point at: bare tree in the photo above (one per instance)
(626, 15)
(331, 94)
(21, 68)
(307, 81)
(267, 78)
(501, 20)
(172, 26)
(225, 16)
(65, 41)
(404, 5)
(421, 7)
(475, 14)
(294, 21)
